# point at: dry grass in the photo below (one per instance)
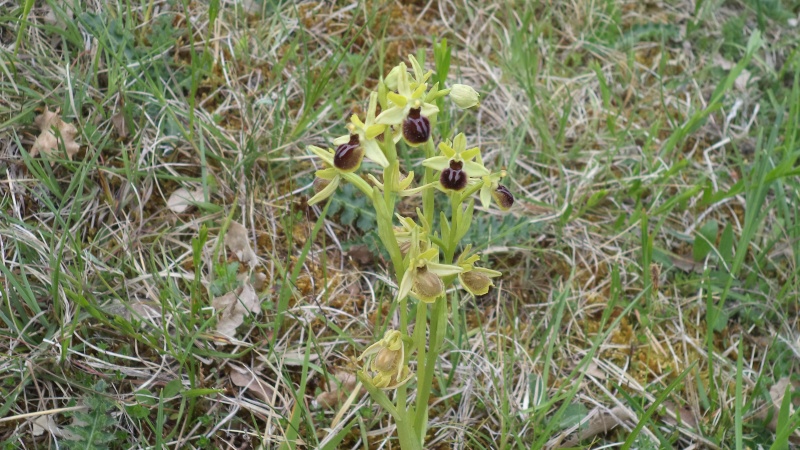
(590, 323)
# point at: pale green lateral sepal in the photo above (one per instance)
(474, 169)
(324, 193)
(392, 116)
(373, 151)
(325, 155)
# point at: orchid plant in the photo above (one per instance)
(423, 257)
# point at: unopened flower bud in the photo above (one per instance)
(464, 96)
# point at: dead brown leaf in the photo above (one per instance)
(46, 422)
(340, 386)
(238, 242)
(777, 392)
(48, 143)
(600, 421)
(233, 306)
(120, 125)
(744, 77)
(50, 17)
(682, 413)
(686, 264)
(182, 199)
(361, 255)
(247, 379)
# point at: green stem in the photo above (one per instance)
(419, 340)
(408, 439)
(455, 206)
(425, 379)
(427, 195)
(358, 182)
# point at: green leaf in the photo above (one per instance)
(172, 388)
(705, 239)
(726, 244)
(336, 440)
(191, 393)
(718, 318)
(574, 413)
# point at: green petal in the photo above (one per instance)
(471, 153)
(396, 99)
(341, 140)
(437, 163)
(416, 190)
(374, 131)
(373, 151)
(392, 116)
(418, 93)
(429, 254)
(406, 182)
(356, 121)
(375, 181)
(447, 150)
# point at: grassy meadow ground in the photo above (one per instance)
(650, 289)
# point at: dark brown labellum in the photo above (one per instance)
(416, 127)
(453, 177)
(503, 197)
(348, 156)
